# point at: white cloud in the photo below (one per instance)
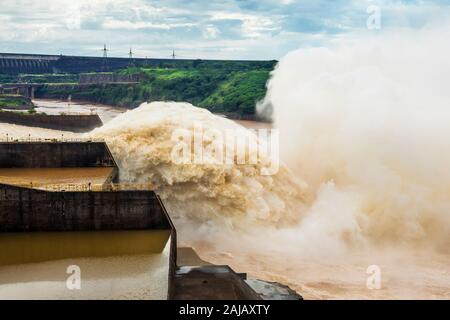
(73, 19)
(213, 29)
(253, 26)
(129, 25)
(211, 32)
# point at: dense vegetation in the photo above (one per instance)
(221, 86)
(47, 78)
(15, 102)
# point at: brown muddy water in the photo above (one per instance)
(48, 176)
(20, 248)
(118, 278)
(56, 107)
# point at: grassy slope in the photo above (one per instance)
(239, 93)
(15, 102)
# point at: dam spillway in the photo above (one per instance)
(41, 228)
(121, 235)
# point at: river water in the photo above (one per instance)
(55, 107)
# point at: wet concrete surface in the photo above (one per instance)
(211, 283)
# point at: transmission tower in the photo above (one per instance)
(105, 58)
(173, 54)
(105, 52)
(130, 55)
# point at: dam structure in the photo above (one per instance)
(16, 63)
(63, 200)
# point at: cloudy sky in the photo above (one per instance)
(229, 29)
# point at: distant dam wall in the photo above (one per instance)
(55, 155)
(13, 64)
(16, 63)
(68, 122)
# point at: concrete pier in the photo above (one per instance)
(65, 122)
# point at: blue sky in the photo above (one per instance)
(234, 29)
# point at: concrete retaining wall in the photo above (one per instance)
(74, 123)
(23, 209)
(55, 155)
(105, 78)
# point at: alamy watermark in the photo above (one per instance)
(374, 280)
(373, 22)
(73, 282)
(210, 146)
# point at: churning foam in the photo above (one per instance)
(232, 194)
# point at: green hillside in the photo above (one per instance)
(238, 93)
(220, 86)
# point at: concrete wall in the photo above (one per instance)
(23, 65)
(38, 64)
(106, 78)
(23, 209)
(69, 122)
(210, 283)
(55, 155)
